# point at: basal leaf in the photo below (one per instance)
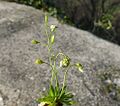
(51, 91)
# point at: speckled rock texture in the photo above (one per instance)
(21, 81)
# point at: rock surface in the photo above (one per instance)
(21, 81)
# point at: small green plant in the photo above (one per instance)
(106, 21)
(57, 95)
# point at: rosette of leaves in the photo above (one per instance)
(57, 97)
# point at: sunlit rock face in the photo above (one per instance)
(21, 81)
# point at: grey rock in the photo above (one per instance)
(108, 81)
(117, 81)
(21, 81)
(1, 101)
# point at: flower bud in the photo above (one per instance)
(35, 42)
(79, 67)
(52, 39)
(39, 61)
(65, 62)
(52, 28)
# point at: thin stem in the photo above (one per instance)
(43, 44)
(59, 54)
(46, 32)
(52, 63)
(52, 78)
(49, 51)
(48, 64)
(64, 80)
(55, 70)
(54, 73)
(56, 76)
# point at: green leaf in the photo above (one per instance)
(51, 91)
(109, 25)
(45, 99)
(57, 90)
(62, 93)
(35, 42)
(68, 102)
(39, 61)
(68, 95)
(52, 39)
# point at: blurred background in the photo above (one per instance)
(101, 17)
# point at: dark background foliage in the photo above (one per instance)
(101, 17)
